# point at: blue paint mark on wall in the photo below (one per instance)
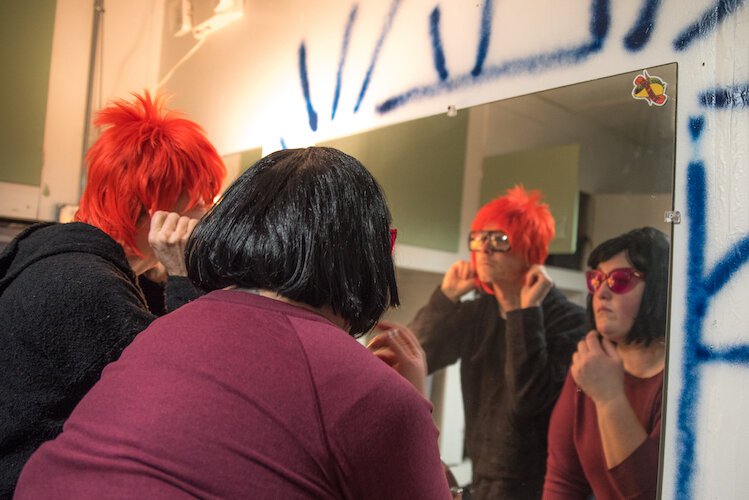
(598, 27)
(376, 53)
(438, 54)
(311, 113)
(639, 34)
(701, 288)
(706, 23)
(342, 59)
(736, 96)
(484, 37)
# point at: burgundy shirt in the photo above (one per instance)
(576, 465)
(240, 396)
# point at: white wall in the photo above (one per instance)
(244, 85)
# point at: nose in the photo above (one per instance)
(603, 291)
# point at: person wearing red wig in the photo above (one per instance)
(514, 342)
(70, 294)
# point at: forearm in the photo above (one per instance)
(440, 327)
(534, 373)
(179, 291)
(621, 431)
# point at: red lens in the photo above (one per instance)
(619, 280)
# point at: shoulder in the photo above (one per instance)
(557, 307)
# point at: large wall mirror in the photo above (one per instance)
(601, 151)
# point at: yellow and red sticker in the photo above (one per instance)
(650, 88)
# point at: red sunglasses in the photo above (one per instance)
(393, 235)
(619, 280)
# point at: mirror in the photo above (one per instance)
(601, 151)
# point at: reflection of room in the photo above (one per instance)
(605, 163)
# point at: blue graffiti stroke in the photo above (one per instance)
(709, 20)
(598, 27)
(486, 30)
(376, 53)
(701, 288)
(311, 113)
(438, 54)
(639, 34)
(342, 59)
(736, 96)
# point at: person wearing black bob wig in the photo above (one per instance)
(258, 389)
(605, 428)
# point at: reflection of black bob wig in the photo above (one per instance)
(647, 250)
(308, 224)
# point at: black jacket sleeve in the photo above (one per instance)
(443, 327)
(540, 342)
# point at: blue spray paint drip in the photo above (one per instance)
(706, 23)
(486, 31)
(376, 53)
(311, 113)
(599, 27)
(438, 53)
(726, 97)
(696, 124)
(640, 33)
(342, 60)
(701, 289)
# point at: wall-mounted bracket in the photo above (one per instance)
(672, 216)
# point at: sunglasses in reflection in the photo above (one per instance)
(495, 241)
(393, 236)
(619, 280)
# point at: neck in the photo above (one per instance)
(324, 311)
(643, 362)
(138, 265)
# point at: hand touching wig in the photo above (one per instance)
(144, 160)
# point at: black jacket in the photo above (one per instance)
(511, 374)
(69, 305)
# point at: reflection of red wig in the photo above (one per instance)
(526, 220)
(145, 159)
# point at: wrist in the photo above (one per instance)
(451, 294)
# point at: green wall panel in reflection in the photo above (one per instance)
(420, 167)
(555, 172)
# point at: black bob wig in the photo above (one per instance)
(309, 224)
(648, 251)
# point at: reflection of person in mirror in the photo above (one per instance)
(514, 342)
(605, 429)
(259, 389)
(70, 294)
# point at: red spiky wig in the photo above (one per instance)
(145, 159)
(526, 220)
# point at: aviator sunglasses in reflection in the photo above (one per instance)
(496, 241)
(619, 280)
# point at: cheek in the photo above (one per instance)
(631, 306)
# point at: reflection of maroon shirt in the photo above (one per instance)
(241, 396)
(576, 466)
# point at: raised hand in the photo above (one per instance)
(397, 346)
(536, 287)
(167, 237)
(597, 368)
(458, 280)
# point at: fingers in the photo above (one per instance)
(465, 270)
(609, 348)
(400, 339)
